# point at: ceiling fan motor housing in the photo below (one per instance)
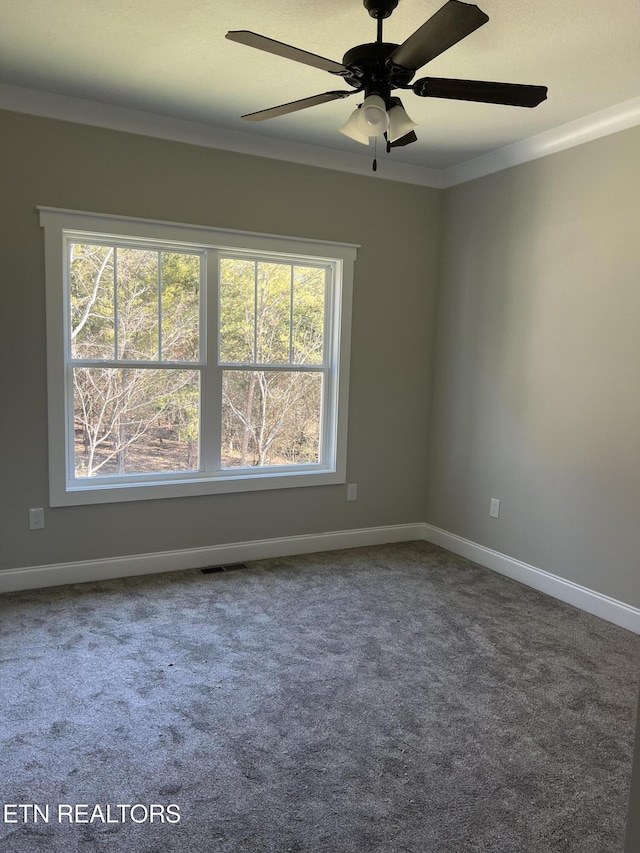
(370, 70)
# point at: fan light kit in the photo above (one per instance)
(378, 68)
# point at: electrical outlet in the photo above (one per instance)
(36, 519)
(352, 492)
(494, 509)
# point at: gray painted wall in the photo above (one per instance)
(537, 353)
(536, 396)
(84, 168)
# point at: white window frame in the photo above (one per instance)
(64, 226)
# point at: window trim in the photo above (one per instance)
(59, 223)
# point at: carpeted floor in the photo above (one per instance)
(378, 700)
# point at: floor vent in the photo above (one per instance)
(228, 568)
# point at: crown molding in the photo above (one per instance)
(62, 107)
(81, 111)
(603, 123)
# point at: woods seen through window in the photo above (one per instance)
(195, 364)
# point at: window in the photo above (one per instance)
(186, 360)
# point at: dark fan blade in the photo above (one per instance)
(512, 94)
(286, 50)
(407, 139)
(293, 106)
(447, 27)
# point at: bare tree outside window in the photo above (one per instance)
(134, 316)
(133, 307)
(271, 317)
(189, 360)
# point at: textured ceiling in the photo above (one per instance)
(171, 58)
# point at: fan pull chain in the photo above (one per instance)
(375, 153)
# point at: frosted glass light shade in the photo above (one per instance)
(372, 119)
(349, 129)
(399, 123)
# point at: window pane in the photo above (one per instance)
(137, 308)
(273, 313)
(237, 310)
(180, 306)
(135, 421)
(308, 315)
(270, 418)
(91, 297)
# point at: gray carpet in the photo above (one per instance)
(377, 700)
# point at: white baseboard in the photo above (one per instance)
(35, 577)
(582, 597)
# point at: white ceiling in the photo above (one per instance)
(172, 59)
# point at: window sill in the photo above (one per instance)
(190, 486)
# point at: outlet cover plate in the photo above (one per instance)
(36, 519)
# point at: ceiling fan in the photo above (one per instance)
(378, 68)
